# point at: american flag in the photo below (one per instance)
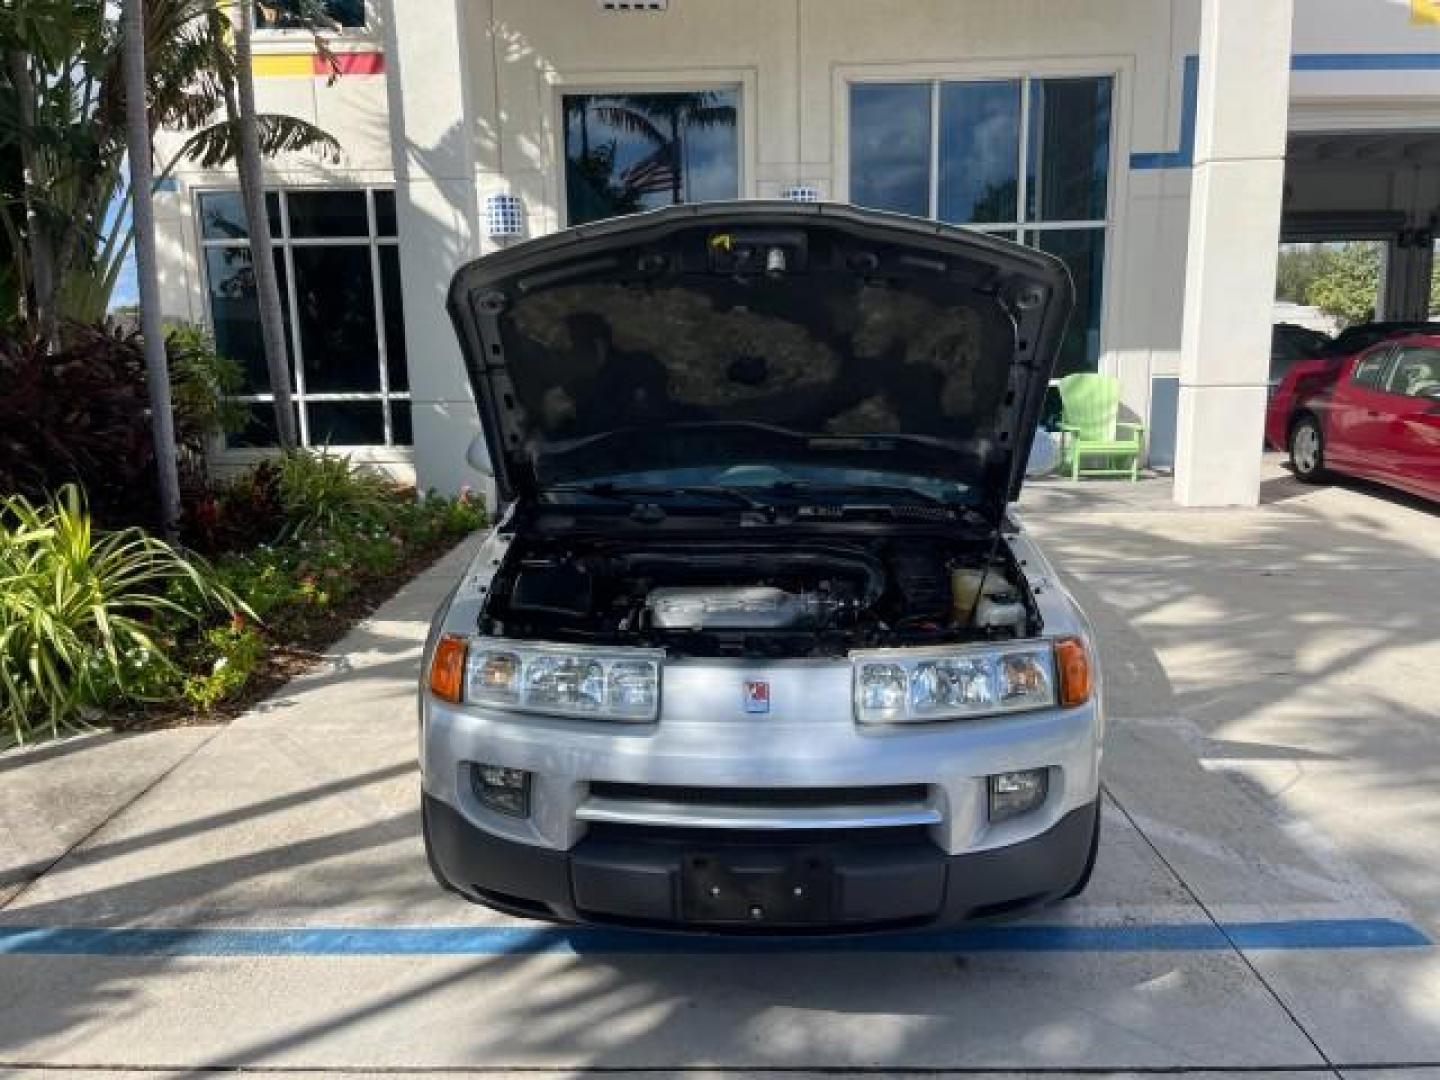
(651, 174)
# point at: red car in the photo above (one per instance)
(1374, 413)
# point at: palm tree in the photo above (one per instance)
(246, 137)
(41, 251)
(68, 121)
(80, 91)
(252, 189)
(193, 76)
(157, 371)
(663, 118)
(33, 37)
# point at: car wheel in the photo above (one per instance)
(1307, 450)
(1079, 886)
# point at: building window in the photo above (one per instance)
(1028, 159)
(337, 259)
(344, 14)
(629, 152)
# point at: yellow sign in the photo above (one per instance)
(1425, 12)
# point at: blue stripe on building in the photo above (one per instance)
(1184, 156)
(1365, 62)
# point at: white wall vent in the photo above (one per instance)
(633, 5)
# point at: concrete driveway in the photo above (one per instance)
(256, 898)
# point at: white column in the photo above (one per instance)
(433, 132)
(1237, 185)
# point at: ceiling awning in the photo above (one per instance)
(1317, 226)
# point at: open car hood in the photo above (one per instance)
(807, 339)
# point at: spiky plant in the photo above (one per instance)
(79, 611)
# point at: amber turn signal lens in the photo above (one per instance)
(1073, 663)
(447, 668)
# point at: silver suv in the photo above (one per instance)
(756, 644)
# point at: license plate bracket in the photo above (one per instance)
(756, 888)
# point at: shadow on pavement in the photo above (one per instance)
(1263, 638)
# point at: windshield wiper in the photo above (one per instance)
(730, 494)
(637, 495)
(791, 492)
(860, 491)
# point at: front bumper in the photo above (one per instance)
(808, 741)
(876, 825)
(749, 882)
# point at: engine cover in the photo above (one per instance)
(759, 607)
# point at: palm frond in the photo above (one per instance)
(630, 121)
(219, 143)
(79, 611)
(711, 116)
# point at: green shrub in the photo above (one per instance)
(309, 572)
(322, 490)
(85, 616)
(93, 620)
(458, 516)
(228, 660)
(203, 383)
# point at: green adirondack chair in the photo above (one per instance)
(1093, 429)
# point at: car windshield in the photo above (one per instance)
(792, 481)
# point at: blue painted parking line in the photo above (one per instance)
(1311, 934)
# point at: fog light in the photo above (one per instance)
(506, 791)
(1014, 793)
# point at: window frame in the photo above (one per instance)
(741, 80)
(1385, 353)
(291, 35)
(284, 244)
(1114, 225)
(1019, 225)
(1395, 361)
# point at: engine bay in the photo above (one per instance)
(772, 599)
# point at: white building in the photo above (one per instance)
(1159, 146)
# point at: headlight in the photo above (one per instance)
(619, 684)
(915, 685)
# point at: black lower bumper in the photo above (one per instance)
(690, 882)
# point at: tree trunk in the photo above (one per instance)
(157, 371)
(262, 251)
(41, 245)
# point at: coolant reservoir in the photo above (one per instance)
(965, 585)
(1001, 609)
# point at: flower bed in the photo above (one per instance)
(280, 563)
